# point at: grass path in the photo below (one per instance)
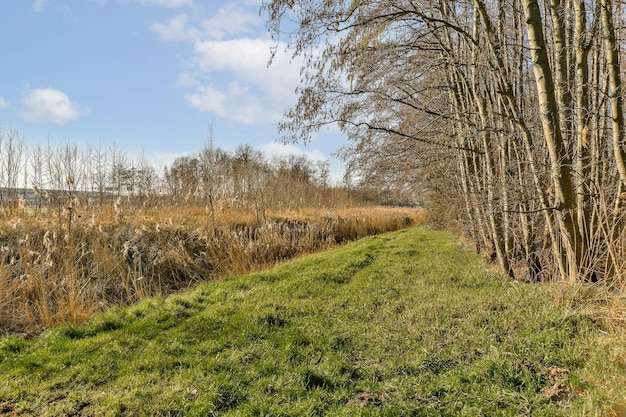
(406, 323)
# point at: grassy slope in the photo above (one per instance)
(405, 323)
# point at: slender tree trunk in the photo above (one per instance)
(611, 51)
(583, 161)
(514, 115)
(495, 213)
(562, 85)
(564, 195)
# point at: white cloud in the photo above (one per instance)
(208, 98)
(228, 74)
(259, 94)
(169, 4)
(236, 102)
(48, 105)
(187, 79)
(175, 29)
(158, 160)
(275, 149)
(248, 58)
(166, 3)
(3, 103)
(38, 5)
(229, 20)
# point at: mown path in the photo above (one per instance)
(406, 323)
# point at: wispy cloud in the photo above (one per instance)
(49, 105)
(38, 5)
(236, 102)
(166, 3)
(249, 92)
(3, 103)
(158, 160)
(230, 20)
(279, 149)
(256, 94)
(175, 29)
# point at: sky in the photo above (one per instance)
(150, 76)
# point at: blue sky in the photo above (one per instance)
(149, 75)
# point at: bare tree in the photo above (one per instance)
(37, 165)
(213, 162)
(99, 175)
(524, 96)
(12, 147)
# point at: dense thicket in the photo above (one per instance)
(511, 110)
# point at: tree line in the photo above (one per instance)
(511, 110)
(60, 177)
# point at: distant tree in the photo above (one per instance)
(183, 177)
(147, 178)
(99, 171)
(323, 173)
(12, 147)
(249, 175)
(37, 165)
(117, 164)
(214, 167)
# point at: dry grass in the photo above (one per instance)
(57, 269)
(606, 305)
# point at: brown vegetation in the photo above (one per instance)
(50, 275)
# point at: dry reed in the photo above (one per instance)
(63, 267)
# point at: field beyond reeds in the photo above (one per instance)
(401, 324)
(65, 266)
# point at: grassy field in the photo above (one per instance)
(404, 323)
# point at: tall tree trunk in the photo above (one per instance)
(611, 51)
(583, 155)
(562, 85)
(495, 213)
(564, 195)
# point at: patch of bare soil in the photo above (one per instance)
(558, 390)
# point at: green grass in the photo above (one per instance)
(406, 323)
